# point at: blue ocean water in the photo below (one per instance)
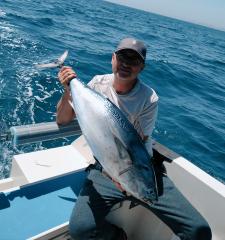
(185, 65)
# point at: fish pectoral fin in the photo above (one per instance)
(122, 150)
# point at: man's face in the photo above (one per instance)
(126, 64)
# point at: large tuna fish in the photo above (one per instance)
(114, 142)
(112, 139)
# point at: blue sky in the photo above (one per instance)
(209, 13)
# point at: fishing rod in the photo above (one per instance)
(39, 132)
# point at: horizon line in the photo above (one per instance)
(160, 14)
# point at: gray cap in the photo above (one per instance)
(133, 44)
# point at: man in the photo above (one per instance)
(139, 103)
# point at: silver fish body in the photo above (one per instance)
(114, 142)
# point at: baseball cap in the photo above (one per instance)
(133, 44)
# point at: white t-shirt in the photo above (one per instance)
(140, 105)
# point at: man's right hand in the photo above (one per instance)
(65, 75)
(65, 112)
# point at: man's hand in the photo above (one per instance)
(65, 112)
(66, 74)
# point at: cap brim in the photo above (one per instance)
(139, 54)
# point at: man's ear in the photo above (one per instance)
(142, 67)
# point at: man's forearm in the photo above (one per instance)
(65, 112)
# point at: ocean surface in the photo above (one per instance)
(185, 65)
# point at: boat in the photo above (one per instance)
(37, 198)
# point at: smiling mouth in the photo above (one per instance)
(124, 72)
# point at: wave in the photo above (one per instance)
(2, 13)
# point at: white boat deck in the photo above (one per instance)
(204, 192)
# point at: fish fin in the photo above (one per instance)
(122, 150)
(47, 65)
(63, 57)
(58, 63)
